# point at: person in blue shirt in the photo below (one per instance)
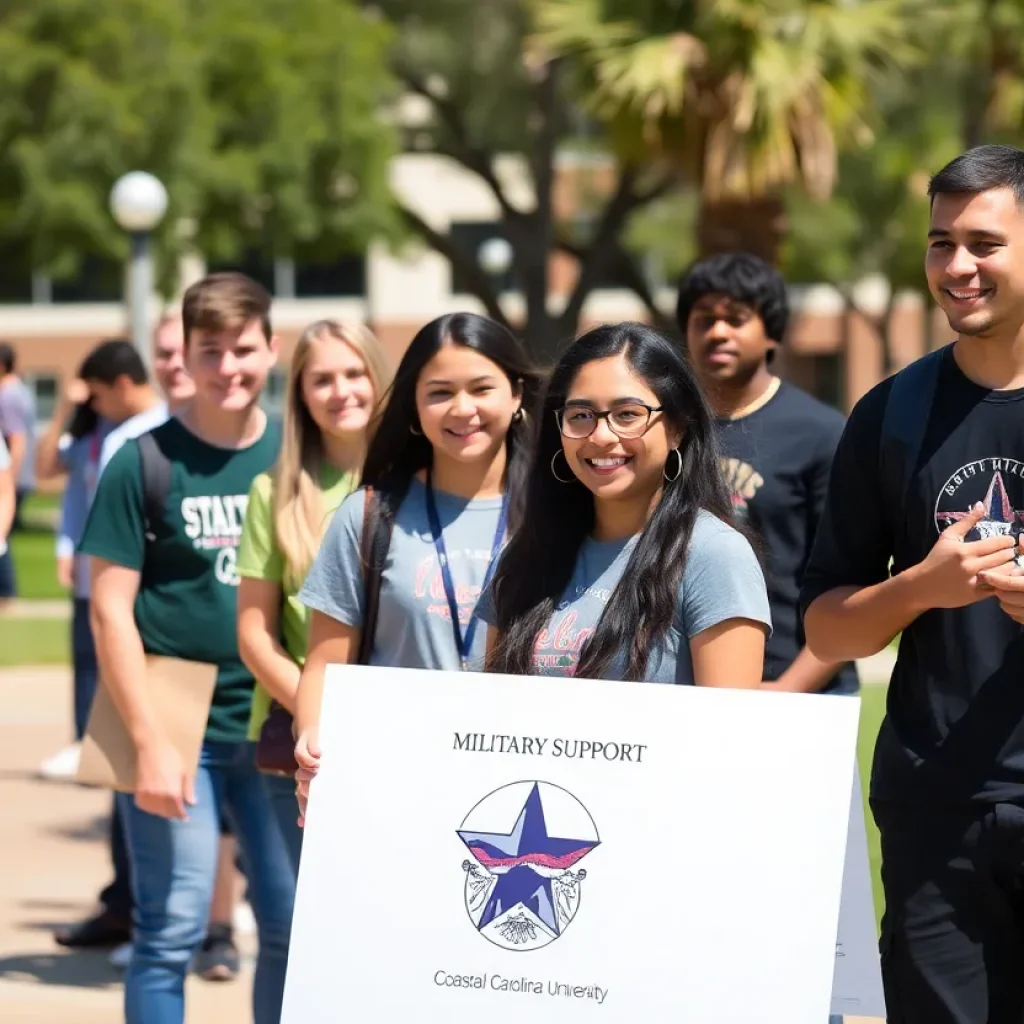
(71, 448)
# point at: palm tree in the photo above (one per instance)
(743, 97)
(987, 38)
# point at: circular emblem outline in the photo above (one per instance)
(521, 890)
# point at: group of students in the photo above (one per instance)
(255, 562)
(646, 510)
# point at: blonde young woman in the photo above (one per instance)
(338, 376)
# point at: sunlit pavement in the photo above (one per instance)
(53, 862)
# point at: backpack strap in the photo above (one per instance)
(376, 539)
(904, 422)
(156, 483)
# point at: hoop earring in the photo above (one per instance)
(554, 472)
(679, 466)
(414, 430)
(517, 416)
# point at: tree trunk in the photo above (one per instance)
(756, 226)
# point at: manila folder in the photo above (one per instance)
(181, 693)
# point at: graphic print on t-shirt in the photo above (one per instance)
(744, 482)
(998, 484)
(558, 644)
(214, 523)
(429, 585)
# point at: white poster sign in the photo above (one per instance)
(485, 847)
(857, 984)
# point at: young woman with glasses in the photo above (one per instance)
(627, 565)
(447, 465)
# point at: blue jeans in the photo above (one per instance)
(173, 868)
(83, 656)
(286, 813)
(8, 580)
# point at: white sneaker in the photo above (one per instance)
(121, 956)
(243, 920)
(63, 765)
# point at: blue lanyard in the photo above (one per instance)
(462, 644)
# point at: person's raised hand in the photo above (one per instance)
(956, 572)
(1007, 585)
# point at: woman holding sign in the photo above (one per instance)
(397, 578)
(628, 566)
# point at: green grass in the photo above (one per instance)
(34, 642)
(872, 710)
(35, 564)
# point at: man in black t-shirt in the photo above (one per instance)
(777, 443)
(947, 787)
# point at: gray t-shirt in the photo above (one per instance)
(18, 416)
(414, 628)
(722, 580)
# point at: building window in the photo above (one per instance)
(15, 273)
(253, 263)
(45, 387)
(343, 277)
(830, 379)
(98, 279)
(273, 396)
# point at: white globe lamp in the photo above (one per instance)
(138, 201)
(495, 256)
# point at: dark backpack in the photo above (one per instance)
(156, 484)
(904, 422)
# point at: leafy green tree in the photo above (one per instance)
(261, 117)
(489, 92)
(745, 97)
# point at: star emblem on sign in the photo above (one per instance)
(525, 862)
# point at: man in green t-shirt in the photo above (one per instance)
(168, 587)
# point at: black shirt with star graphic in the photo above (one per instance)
(954, 727)
(776, 462)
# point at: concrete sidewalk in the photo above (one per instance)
(53, 862)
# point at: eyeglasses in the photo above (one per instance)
(632, 420)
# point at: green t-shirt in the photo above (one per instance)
(187, 601)
(260, 558)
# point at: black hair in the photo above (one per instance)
(113, 359)
(396, 453)
(743, 277)
(981, 169)
(82, 421)
(7, 357)
(539, 560)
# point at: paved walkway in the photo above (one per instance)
(53, 862)
(19, 609)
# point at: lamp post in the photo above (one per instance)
(495, 256)
(138, 202)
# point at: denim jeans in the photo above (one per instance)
(8, 580)
(83, 657)
(173, 868)
(286, 811)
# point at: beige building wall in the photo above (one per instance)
(406, 289)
